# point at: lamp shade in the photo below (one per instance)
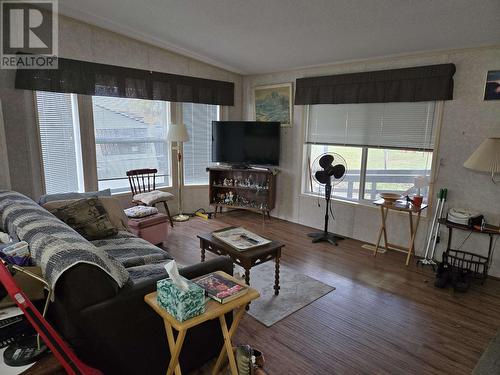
(177, 133)
(486, 158)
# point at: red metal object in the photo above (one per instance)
(59, 348)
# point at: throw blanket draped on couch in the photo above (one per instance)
(54, 246)
(104, 318)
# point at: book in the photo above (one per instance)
(220, 288)
(240, 238)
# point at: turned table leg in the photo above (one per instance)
(202, 247)
(277, 275)
(247, 281)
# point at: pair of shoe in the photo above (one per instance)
(443, 275)
(249, 361)
(460, 279)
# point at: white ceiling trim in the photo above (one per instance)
(442, 52)
(107, 24)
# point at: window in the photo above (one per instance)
(385, 145)
(395, 170)
(349, 187)
(60, 142)
(130, 134)
(198, 150)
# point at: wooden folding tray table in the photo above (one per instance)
(213, 310)
(402, 207)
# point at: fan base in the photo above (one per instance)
(24, 351)
(325, 237)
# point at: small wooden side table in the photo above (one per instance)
(403, 207)
(246, 259)
(213, 310)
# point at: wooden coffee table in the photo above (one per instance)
(247, 258)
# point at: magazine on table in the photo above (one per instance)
(240, 238)
(220, 288)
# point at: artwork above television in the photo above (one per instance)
(246, 143)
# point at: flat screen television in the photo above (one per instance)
(246, 142)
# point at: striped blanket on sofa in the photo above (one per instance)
(54, 246)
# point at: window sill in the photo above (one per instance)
(341, 200)
(367, 204)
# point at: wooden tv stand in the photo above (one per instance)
(241, 188)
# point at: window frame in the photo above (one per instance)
(306, 152)
(220, 114)
(88, 145)
(85, 118)
(169, 148)
(80, 154)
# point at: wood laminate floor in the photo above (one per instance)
(383, 317)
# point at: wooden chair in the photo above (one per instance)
(143, 183)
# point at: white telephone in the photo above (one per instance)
(462, 216)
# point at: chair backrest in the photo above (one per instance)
(142, 180)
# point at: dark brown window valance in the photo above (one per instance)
(81, 77)
(423, 83)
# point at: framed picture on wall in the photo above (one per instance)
(274, 103)
(492, 90)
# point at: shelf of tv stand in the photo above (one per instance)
(236, 206)
(240, 188)
(263, 177)
(264, 212)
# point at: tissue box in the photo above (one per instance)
(182, 305)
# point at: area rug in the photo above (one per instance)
(489, 363)
(296, 291)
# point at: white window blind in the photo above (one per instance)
(198, 150)
(130, 134)
(60, 142)
(392, 125)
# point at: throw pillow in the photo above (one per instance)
(88, 217)
(112, 206)
(140, 211)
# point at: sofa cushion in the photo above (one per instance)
(88, 217)
(73, 195)
(132, 251)
(112, 206)
(147, 272)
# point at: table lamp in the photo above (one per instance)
(178, 133)
(486, 158)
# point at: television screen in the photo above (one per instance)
(246, 142)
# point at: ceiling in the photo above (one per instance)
(260, 36)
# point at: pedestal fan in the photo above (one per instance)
(328, 169)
